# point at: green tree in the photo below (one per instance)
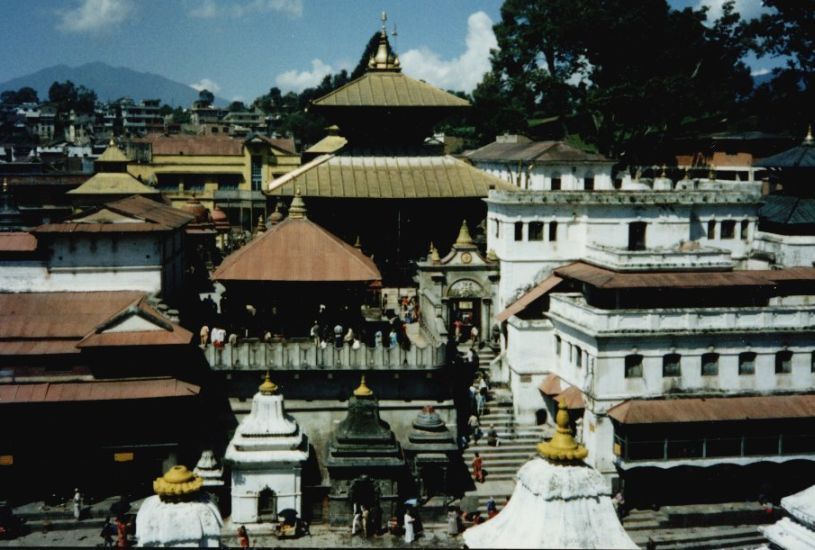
(206, 98)
(236, 107)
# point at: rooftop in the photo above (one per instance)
(536, 152)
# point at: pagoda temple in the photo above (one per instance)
(558, 502)
(267, 455)
(365, 462)
(390, 184)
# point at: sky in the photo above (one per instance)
(238, 49)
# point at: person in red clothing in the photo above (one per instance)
(243, 537)
(478, 468)
(121, 533)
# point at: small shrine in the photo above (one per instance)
(432, 452)
(365, 462)
(212, 473)
(797, 528)
(266, 456)
(558, 502)
(180, 514)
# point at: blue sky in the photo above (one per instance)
(240, 48)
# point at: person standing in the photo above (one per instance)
(409, 533)
(478, 468)
(452, 522)
(366, 526)
(204, 334)
(492, 509)
(121, 533)
(338, 335)
(243, 537)
(475, 429)
(77, 504)
(108, 529)
(315, 333)
(480, 403)
(356, 521)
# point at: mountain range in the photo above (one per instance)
(109, 83)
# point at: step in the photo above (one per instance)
(688, 539)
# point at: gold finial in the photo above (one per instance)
(261, 227)
(268, 387)
(491, 255)
(178, 481)
(808, 138)
(363, 390)
(464, 238)
(297, 210)
(358, 244)
(384, 59)
(112, 142)
(434, 253)
(562, 446)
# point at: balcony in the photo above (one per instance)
(620, 259)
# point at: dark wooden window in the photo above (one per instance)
(633, 366)
(783, 362)
(535, 231)
(552, 231)
(588, 183)
(519, 231)
(636, 235)
(747, 363)
(671, 365)
(728, 229)
(710, 364)
(555, 183)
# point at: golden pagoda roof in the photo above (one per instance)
(381, 88)
(562, 447)
(363, 390)
(113, 183)
(178, 481)
(112, 154)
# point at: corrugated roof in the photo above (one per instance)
(714, 409)
(153, 211)
(108, 390)
(112, 154)
(99, 228)
(284, 144)
(327, 145)
(387, 177)
(573, 397)
(787, 210)
(388, 89)
(535, 151)
(113, 183)
(193, 145)
(520, 304)
(156, 216)
(18, 242)
(604, 278)
(297, 250)
(165, 333)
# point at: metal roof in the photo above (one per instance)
(297, 250)
(604, 278)
(113, 183)
(108, 390)
(193, 145)
(535, 152)
(521, 303)
(714, 409)
(787, 210)
(154, 216)
(387, 177)
(551, 385)
(800, 156)
(388, 89)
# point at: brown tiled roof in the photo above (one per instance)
(108, 390)
(157, 217)
(604, 278)
(193, 145)
(714, 409)
(297, 250)
(520, 304)
(284, 144)
(573, 398)
(17, 242)
(534, 151)
(551, 385)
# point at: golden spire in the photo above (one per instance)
(363, 390)
(112, 142)
(562, 447)
(434, 253)
(297, 210)
(464, 239)
(491, 255)
(268, 387)
(358, 244)
(261, 227)
(178, 481)
(808, 138)
(384, 59)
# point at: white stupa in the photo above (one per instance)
(796, 532)
(558, 502)
(180, 514)
(267, 455)
(209, 470)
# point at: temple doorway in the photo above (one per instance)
(465, 313)
(363, 493)
(267, 506)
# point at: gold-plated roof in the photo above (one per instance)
(268, 387)
(562, 447)
(297, 210)
(178, 481)
(389, 89)
(113, 183)
(363, 390)
(387, 177)
(112, 154)
(329, 144)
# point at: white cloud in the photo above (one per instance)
(206, 84)
(94, 15)
(761, 72)
(211, 9)
(748, 9)
(463, 72)
(300, 80)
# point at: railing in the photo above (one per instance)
(308, 356)
(714, 447)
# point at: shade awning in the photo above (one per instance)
(714, 409)
(573, 398)
(551, 385)
(521, 303)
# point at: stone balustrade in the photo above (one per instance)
(620, 259)
(253, 355)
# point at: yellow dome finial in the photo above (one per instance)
(434, 253)
(562, 447)
(363, 390)
(268, 387)
(358, 244)
(464, 238)
(297, 210)
(178, 481)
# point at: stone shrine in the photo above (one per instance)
(266, 455)
(432, 453)
(365, 462)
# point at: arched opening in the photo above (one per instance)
(267, 506)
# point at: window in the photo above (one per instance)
(571, 353)
(711, 229)
(579, 357)
(257, 172)
(497, 228)
(729, 229)
(617, 184)
(710, 364)
(556, 183)
(745, 229)
(535, 231)
(519, 231)
(783, 362)
(552, 231)
(633, 366)
(588, 183)
(747, 363)
(558, 343)
(636, 235)
(671, 365)
(812, 362)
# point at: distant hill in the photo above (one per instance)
(109, 83)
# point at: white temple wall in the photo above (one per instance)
(37, 278)
(282, 478)
(789, 250)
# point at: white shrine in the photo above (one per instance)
(180, 514)
(558, 502)
(266, 455)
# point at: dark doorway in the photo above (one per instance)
(636, 235)
(465, 314)
(267, 506)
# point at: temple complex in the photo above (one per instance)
(558, 502)
(365, 462)
(180, 514)
(266, 456)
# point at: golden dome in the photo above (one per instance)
(363, 390)
(178, 481)
(268, 387)
(562, 447)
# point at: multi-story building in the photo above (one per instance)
(141, 118)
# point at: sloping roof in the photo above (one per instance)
(297, 250)
(284, 144)
(521, 303)
(534, 151)
(17, 242)
(800, 156)
(161, 332)
(387, 177)
(714, 409)
(153, 211)
(551, 385)
(327, 145)
(112, 154)
(108, 390)
(388, 89)
(573, 398)
(604, 278)
(133, 214)
(193, 145)
(113, 183)
(787, 210)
